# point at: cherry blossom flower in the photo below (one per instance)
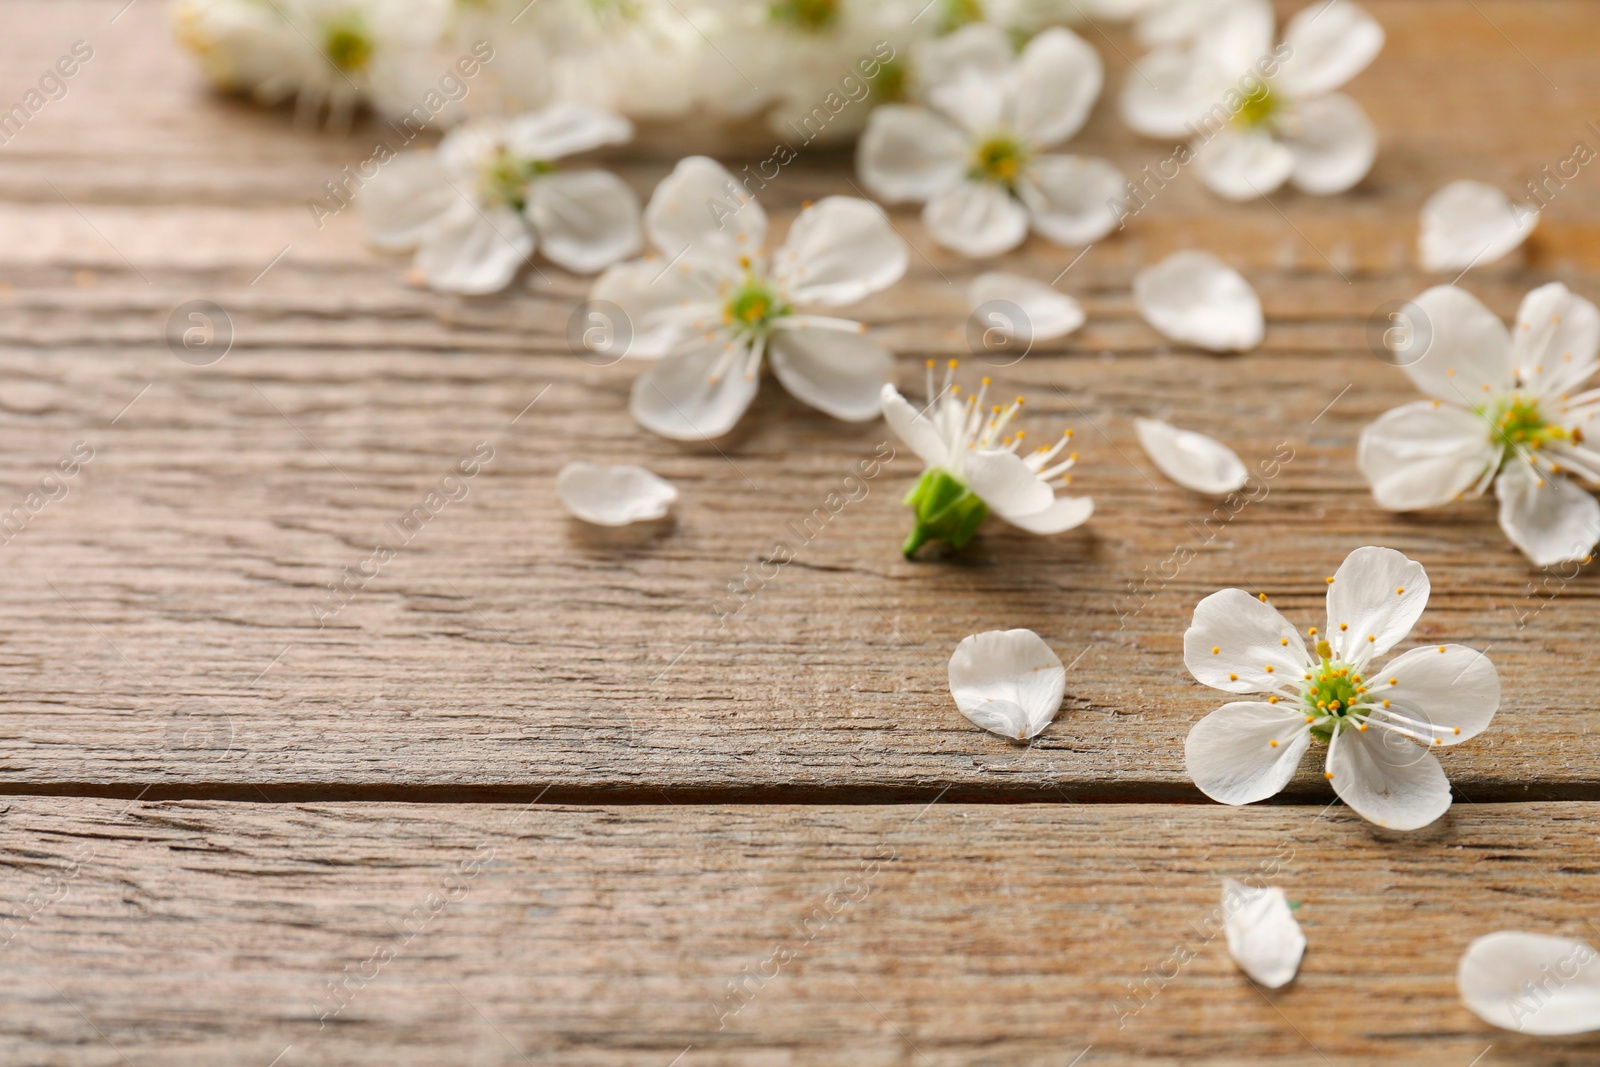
(1532, 983)
(1263, 937)
(1008, 682)
(972, 467)
(1260, 116)
(1507, 409)
(614, 496)
(476, 209)
(716, 306)
(979, 153)
(1369, 716)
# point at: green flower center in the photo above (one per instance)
(814, 15)
(753, 307)
(347, 45)
(889, 84)
(1257, 109)
(1518, 423)
(1336, 689)
(505, 177)
(946, 511)
(999, 159)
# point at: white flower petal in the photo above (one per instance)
(1467, 223)
(981, 45)
(703, 213)
(1452, 687)
(912, 428)
(1230, 756)
(1243, 164)
(1548, 517)
(1191, 459)
(1055, 82)
(1009, 486)
(472, 250)
(1555, 340)
(401, 203)
(1424, 454)
(839, 373)
(1074, 199)
(613, 496)
(1387, 779)
(565, 129)
(1046, 311)
(1263, 937)
(840, 250)
(972, 98)
(910, 153)
(1007, 682)
(1241, 644)
(1466, 352)
(1330, 44)
(1167, 91)
(678, 398)
(1531, 983)
(1064, 513)
(662, 307)
(1238, 38)
(1376, 593)
(1333, 146)
(586, 219)
(976, 219)
(1193, 296)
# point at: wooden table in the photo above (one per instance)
(525, 800)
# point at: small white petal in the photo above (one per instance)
(1387, 779)
(1465, 350)
(1193, 296)
(586, 219)
(976, 219)
(1230, 756)
(704, 214)
(1334, 146)
(1191, 459)
(1548, 517)
(1556, 339)
(1243, 164)
(1449, 686)
(1376, 593)
(1424, 454)
(1329, 44)
(913, 428)
(1046, 311)
(910, 153)
(1531, 983)
(1263, 937)
(474, 250)
(1074, 200)
(565, 129)
(839, 373)
(1241, 644)
(677, 397)
(1010, 487)
(1468, 223)
(982, 45)
(840, 250)
(1007, 682)
(613, 496)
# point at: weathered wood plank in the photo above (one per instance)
(211, 933)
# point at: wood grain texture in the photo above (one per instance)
(203, 933)
(161, 628)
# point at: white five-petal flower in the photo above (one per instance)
(1370, 717)
(614, 496)
(1507, 409)
(1260, 116)
(476, 208)
(1532, 983)
(979, 153)
(1008, 682)
(1263, 936)
(716, 305)
(973, 467)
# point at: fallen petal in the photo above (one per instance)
(1531, 983)
(1194, 297)
(1191, 459)
(1263, 937)
(613, 496)
(1037, 312)
(1467, 223)
(1007, 682)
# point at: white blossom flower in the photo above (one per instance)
(1531, 983)
(1467, 223)
(1191, 459)
(1507, 409)
(979, 154)
(1008, 682)
(1368, 716)
(476, 209)
(1022, 308)
(972, 468)
(1193, 296)
(717, 306)
(1258, 116)
(1263, 937)
(614, 496)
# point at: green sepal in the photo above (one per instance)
(946, 510)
